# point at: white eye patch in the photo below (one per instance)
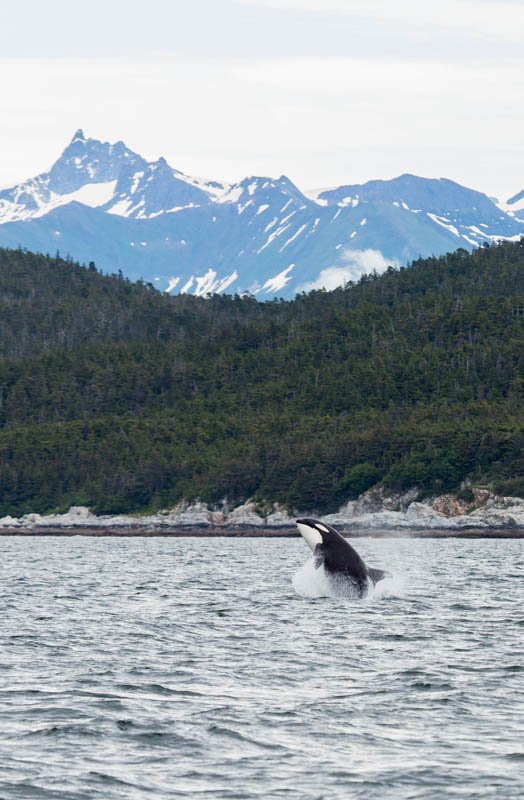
(322, 527)
(311, 535)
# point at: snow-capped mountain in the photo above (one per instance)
(102, 202)
(108, 176)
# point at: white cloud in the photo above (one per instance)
(328, 279)
(356, 263)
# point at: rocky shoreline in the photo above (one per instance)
(288, 533)
(376, 512)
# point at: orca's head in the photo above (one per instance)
(316, 532)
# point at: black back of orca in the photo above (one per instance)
(339, 558)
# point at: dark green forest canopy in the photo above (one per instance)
(116, 396)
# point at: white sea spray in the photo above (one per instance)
(309, 581)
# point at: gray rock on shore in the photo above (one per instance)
(374, 510)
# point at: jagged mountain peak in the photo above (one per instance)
(256, 190)
(78, 136)
(106, 175)
(87, 160)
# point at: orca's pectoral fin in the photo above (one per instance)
(377, 575)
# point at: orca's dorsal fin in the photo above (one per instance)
(377, 575)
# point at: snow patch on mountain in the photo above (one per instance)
(444, 222)
(302, 227)
(231, 195)
(226, 282)
(514, 206)
(171, 285)
(277, 282)
(91, 194)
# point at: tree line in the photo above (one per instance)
(122, 398)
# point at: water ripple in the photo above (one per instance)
(166, 668)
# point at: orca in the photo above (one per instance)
(342, 564)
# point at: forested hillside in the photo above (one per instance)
(116, 396)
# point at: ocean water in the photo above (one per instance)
(222, 668)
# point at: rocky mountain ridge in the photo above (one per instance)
(103, 202)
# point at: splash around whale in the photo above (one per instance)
(342, 567)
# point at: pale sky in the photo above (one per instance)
(325, 91)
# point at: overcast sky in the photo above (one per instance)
(325, 91)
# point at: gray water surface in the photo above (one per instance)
(166, 668)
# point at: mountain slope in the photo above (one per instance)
(102, 202)
(120, 397)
